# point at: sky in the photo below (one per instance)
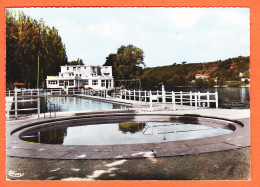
(166, 35)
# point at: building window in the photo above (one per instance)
(94, 82)
(68, 68)
(85, 67)
(61, 75)
(61, 83)
(71, 83)
(78, 68)
(85, 82)
(52, 82)
(80, 75)
(103, 83)
(74, 68)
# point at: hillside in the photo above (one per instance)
(220, 72)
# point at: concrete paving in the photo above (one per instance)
(15, 147)
(224, 165)
(225, 157)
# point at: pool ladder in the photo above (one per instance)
(50, 104)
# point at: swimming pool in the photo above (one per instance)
(65, 104)
(122, 133)
(68, 104)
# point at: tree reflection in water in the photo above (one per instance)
(131, 127)
(54, 136)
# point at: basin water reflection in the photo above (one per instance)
(122, 133)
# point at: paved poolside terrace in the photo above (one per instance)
(237, 143)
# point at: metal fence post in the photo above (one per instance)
(134, 95)
(139, 95)
(199, 99)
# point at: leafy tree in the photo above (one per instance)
(131, 127)
(211, 82)
(77, 62)
(199, 82)
(28, 40)
(221, 81)
(127, 63)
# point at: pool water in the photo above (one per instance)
(122, 133)
(64, 104)
(68, 104)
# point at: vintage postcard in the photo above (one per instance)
(129, 93)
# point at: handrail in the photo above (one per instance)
(50, 104)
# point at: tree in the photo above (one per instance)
(221, 81)
(127, 63)
(26, 40)
(211, 82)
(76, 62)
(246, 81)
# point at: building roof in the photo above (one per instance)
(18, 84)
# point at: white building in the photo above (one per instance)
(203, 76)
(81, 76)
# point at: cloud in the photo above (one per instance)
(184, 17)
(112, 28)
(166, 35)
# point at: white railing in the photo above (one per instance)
(195, 99)
(22, 100)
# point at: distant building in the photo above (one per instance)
(81, 76)
(244, 78)
(203, 76)
(234, 65)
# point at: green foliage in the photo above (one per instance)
(127, 63)
(211, 82)
(183, 74)
(26, 39)
(246, 81)
(199, 82)
(234, 84)
(77, 62)
(221, 81)
(131, 127)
